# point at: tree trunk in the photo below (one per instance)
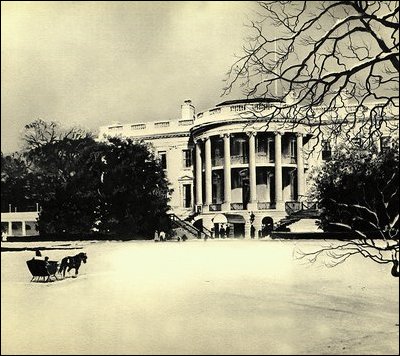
(395, 269)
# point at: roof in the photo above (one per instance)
(249, 101)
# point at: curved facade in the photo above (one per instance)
(231, 161)
(246, 165)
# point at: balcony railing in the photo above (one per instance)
(238, 108)
(292, 206)
(266, 205)
(214, 111)
(214, 207)
(161, 124)
(217, 161)
(237, 206)
(262, 157)
(239, 159)
(310, 205)
(185, 122)
(288, 159)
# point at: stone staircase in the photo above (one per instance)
(297, 211)
(184, 227)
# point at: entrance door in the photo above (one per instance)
(267, 226)
(187, 195)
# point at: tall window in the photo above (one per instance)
(271, 149)
(236, 149)
(293, 150)
(326, 150)
(261, 146)
(163, 159)
(187, 195)
(187, 158)
(217, 149)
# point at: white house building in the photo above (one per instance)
(235, 168)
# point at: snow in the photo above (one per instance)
(198, 297)
(305, 225)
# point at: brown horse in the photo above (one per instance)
(72, 262)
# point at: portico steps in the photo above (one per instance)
(183, 227)
(297, 216)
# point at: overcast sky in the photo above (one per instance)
(94, 63)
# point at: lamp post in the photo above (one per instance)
(252, 229)
(252, 217)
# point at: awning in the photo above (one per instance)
(228, 218)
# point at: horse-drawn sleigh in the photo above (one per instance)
(44, 269)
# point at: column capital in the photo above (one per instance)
(202, 139)
(299, 134)
(276, 133)
(251, 133)
(226, 134)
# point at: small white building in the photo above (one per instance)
(15, 223)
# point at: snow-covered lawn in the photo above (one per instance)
(199, 297)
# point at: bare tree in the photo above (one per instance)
(315, 58)
(334, 67)
(40, 132)
(335, 253)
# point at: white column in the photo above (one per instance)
(278, 171)
(252, 171)
(227, 173)
(300, 168)
(23, 228)
(199, 173)
(10, 228)
(208, 175)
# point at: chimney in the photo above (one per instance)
(187, 110)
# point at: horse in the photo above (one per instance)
(72, 262)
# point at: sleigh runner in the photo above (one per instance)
(45, 270)
(41, 269)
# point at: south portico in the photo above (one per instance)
(259, 174)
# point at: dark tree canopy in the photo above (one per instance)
(84, 186)
(134, 188)
(359, 193)
(15, 182)
(65, 186)
(359, 189)
(113, 187)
